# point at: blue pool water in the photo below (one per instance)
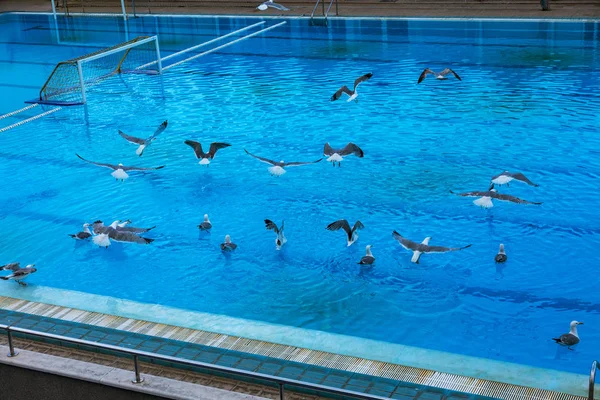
(528, 102)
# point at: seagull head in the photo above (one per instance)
(206, 217)
(86, 225)
(227, 239)
(575, 323)
(501, 250)
(30, 266)
(281, 161)
(120, 164)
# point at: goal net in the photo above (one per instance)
(68, 82)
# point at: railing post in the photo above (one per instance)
(323, 6)
(133, 6)
(336, 8)
(595, 366)
(281, 391)
(138, 378)
(11, 349)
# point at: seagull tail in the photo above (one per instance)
(148, 240)
(140, 150)
(557, 340)
(485, 202)
(73, 236)
(416, 256)
(4, 278)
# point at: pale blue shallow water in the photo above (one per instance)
(528, 102)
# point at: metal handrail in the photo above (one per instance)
(281, 382)
(325, 13)
(315, 9)
(329, 8)
(595, 366)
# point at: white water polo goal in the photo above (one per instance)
(67, 83)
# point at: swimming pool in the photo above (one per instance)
(527, 102)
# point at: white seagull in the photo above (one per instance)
(202, 156)
(280, 240)
(277, 167)
(440, 76)
(143, 143)
(485, 198)
(423, 247)
(569, 339)
(506, 177)
(85, 234)
(205, 225)
(19, 273)
(352, 93)
(351, 233)
(367, 259)
(228, 245)
(337, 155)
(270, 3)
(119, 170)
(501, 256)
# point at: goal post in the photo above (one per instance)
(69, 81)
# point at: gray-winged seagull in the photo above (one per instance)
(10, 267)
(485, 198)
(277, 167)
(202, 156)
(501, 256)
(423, 247)
(119, 170)
(440, 76)
(143, 143)
(272, 4)
(85, 234)
(228, 245)
(205, 225)
(19, 274)
(280, 240)
(352, 93)
(569, 339)
(506, 176)
(352, 234)
(337, 155)
(367, 259)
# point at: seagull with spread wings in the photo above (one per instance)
(352, 234)
(485, 198)
(352, 93)
(337, 155)
(119, 170)
(201, 155)
(441, 76)
(280, 240)
(277, 167)
(423, 247)
(506, 177)
(143, 143)
(270, 3)
(18, 273)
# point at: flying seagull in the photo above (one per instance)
(367, 259)
(10, 267)
(506, 176)
(280, 240)
(202, 156)
(143, 143)
(101, 239)
(440, 76)
(337, 155)
(569, 339)
(501, 256)
(85, 234)
(270, 3)
(485, 198)
(423, 247)
(353, 94)
(119, 171)
(277, 167)
(228, 245)
(343, 224)
(205, 225)
(19, 274)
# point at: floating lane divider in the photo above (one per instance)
(10, 114)
(223, 46)
(30, 119)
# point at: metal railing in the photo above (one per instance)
(325, 13)
(136, 354)
(595, 366)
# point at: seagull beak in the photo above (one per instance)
(580, 323)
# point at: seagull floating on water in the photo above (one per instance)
(280, 240)
(18, 273)
(118, 234)
(485, 199)
(506, 176)
(101, 240)
(277, 167)
(85, 234)
(228, 245)
(270, 3)
(119, 170)
(143, 143)
(205, 225)
(501, 256)
(440, 76)
(353, 94)
(202, 156)
(419, 248)
(569, 339)
(351, 233)
(367, 259)
(337, 155)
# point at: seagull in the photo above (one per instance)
(270, 3)
(126, 237)
(336, 155)
(277, 167)
(423, 247)
(280, 240)
(507, 176)
(143, 143)
(85, 234)
(569, 339)
(101, 239)
(202, 156)
(228, 245)
(353, 94)
(501, 256)
(205, 225)
(440, 76)
(121, 226)
(119, 170)
(10, 267)
(19, 274)
(343, 224)
(485, 199)
(367, 259)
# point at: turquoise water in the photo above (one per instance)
(527, 102)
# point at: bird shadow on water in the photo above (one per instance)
(115, 252)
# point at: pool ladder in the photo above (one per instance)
(595, 366)
(314, 21)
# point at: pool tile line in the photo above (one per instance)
(212, 346)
